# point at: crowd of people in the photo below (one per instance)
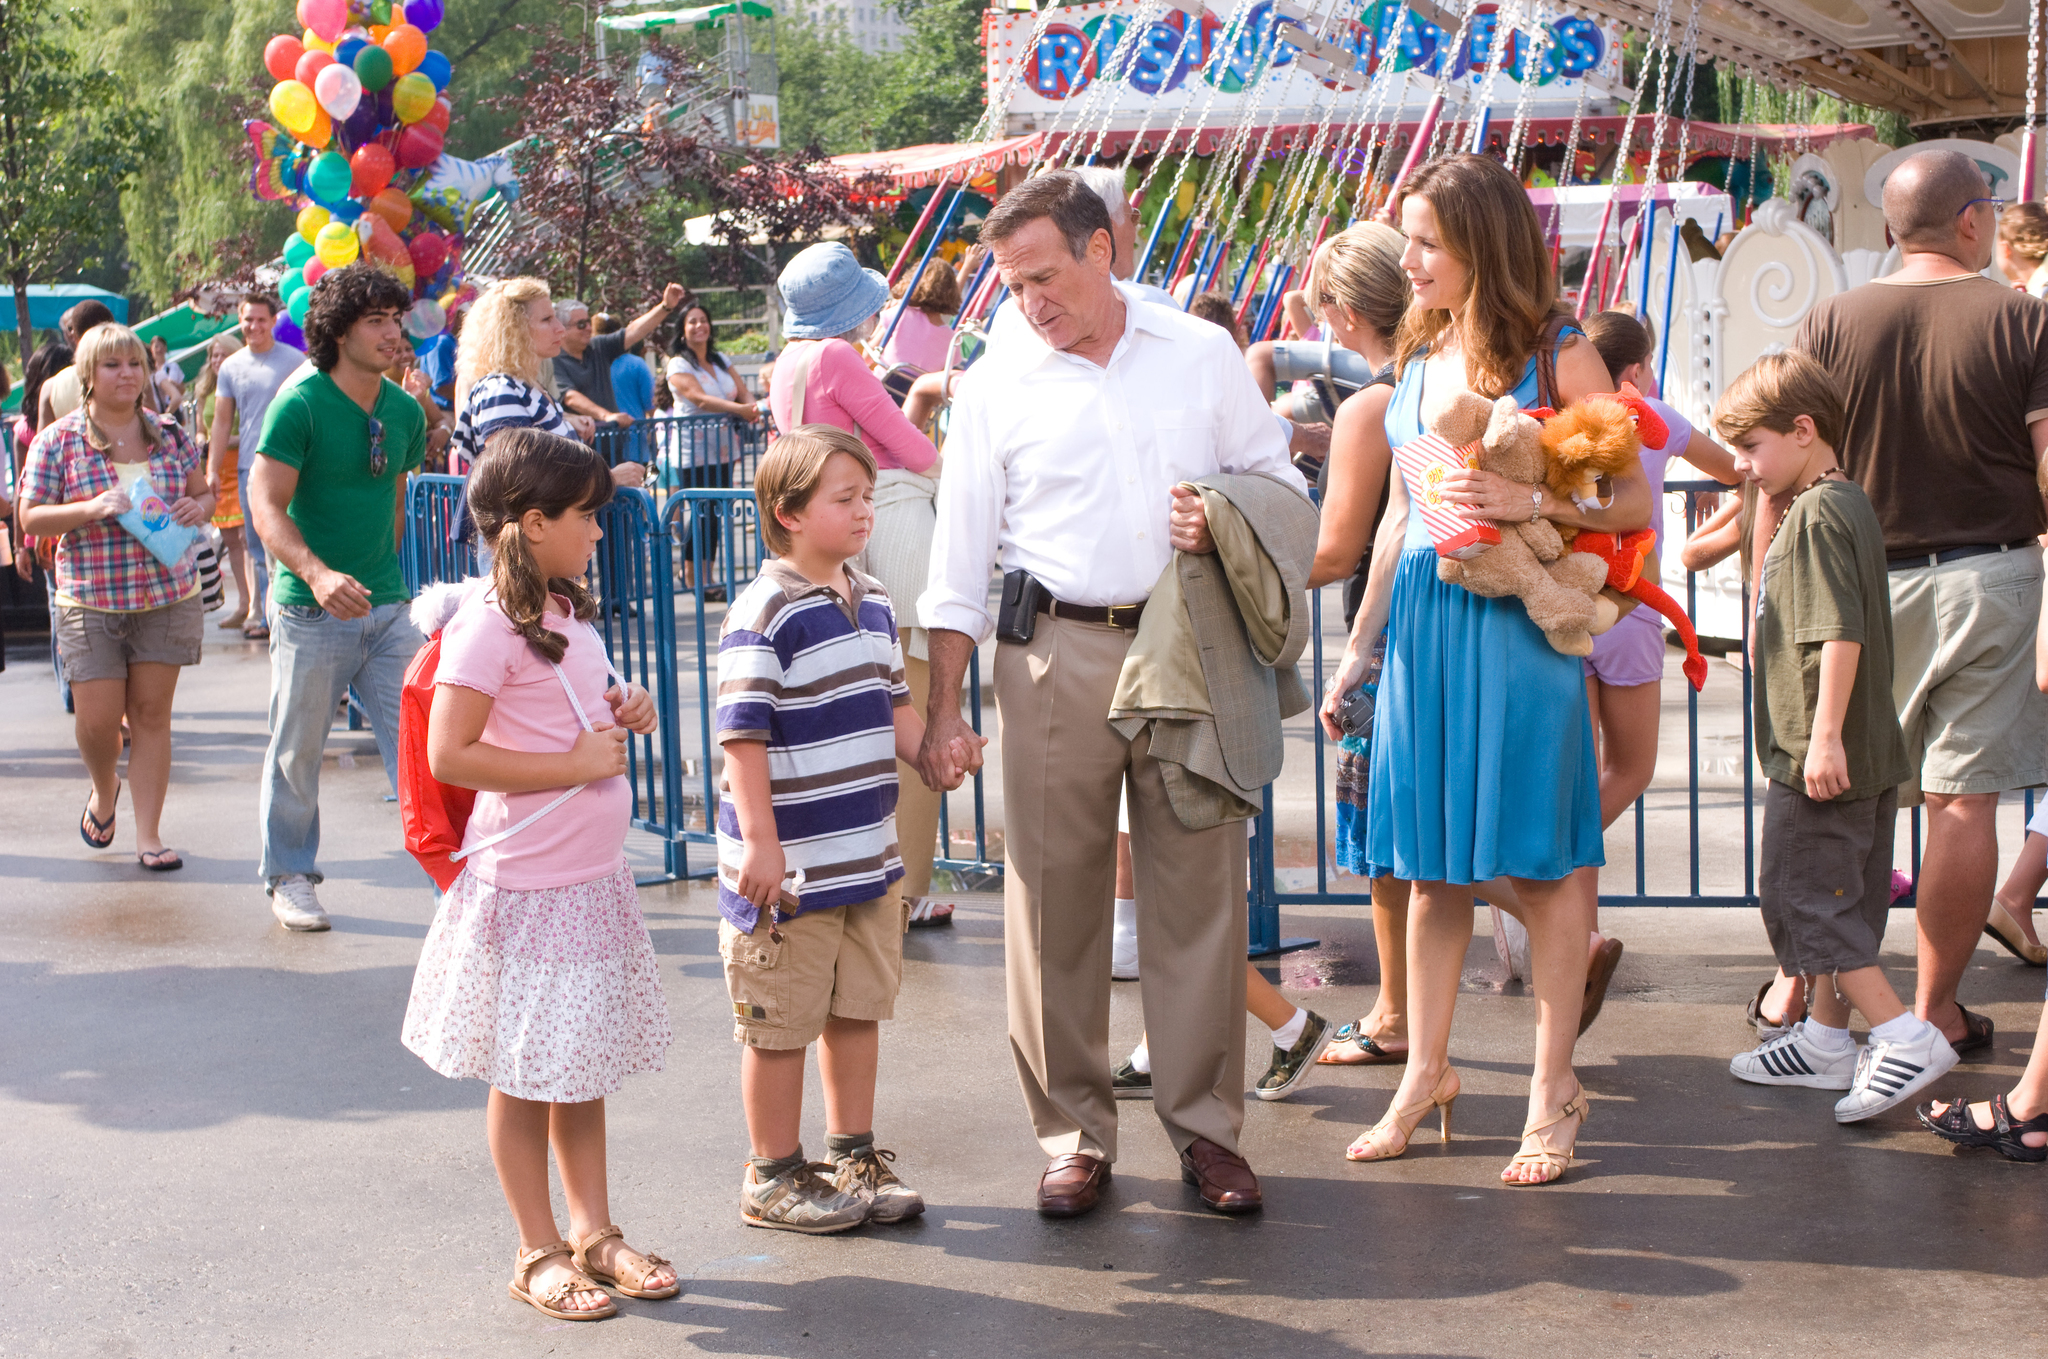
(1155, 504)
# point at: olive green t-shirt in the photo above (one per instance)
(346, 516)
(1824, 581)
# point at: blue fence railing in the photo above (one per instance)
(670, 563)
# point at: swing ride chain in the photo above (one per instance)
(1225, 39)
(1102, 91)
(1538, 34)
(1368, 133)
(2034, 8)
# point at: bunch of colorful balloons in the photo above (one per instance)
(360, 97)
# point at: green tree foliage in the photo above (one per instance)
(70, 134)
(844, 99)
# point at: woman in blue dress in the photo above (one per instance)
(1482, 757)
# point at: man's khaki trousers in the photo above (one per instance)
(1063, 767)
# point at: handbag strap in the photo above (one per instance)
(581, 717)
(801, 366)
(1547, 343)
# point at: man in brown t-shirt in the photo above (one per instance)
(1945, 377)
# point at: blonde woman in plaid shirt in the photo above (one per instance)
(125, 622)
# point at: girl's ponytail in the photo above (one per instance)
(522, 470)
(522, 594)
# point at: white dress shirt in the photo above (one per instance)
(1063, 469)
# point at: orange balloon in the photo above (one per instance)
(378, 32)
(321, 132)
(407, 46)
(392, 207)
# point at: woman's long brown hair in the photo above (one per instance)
(1484, 220)
(529, 469)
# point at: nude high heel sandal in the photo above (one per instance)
(1377, 1143)
(1555, 1163)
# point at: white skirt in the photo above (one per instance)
(549, 995)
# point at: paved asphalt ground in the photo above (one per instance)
(213, 1143)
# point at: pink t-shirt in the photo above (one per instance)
(843, 392)
(585, 837)
(918, 340)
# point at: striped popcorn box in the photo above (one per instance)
(1425, 462)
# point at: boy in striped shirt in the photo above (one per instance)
(813, 713)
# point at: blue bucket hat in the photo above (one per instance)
(825, 292)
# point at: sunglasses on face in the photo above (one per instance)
(377, 461)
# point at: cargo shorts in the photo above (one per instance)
(843, 962)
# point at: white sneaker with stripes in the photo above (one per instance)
(1794, 1059)
(1889, 1074)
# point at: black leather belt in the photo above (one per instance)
(1913, 561)
(1116, 615)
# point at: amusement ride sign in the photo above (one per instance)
(1230, 72)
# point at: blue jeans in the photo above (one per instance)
(259, 564)
(314, 657)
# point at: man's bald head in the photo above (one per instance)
(1925, 195)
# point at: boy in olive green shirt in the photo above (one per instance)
(1827, 736)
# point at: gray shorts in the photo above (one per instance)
(1826, 885)
(100, 646)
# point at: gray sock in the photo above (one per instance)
(840, 1146)
(769, 1168)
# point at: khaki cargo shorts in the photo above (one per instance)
(97, 645)
(1963, 674)
(845, 962)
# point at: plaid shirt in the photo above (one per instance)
(101, 565)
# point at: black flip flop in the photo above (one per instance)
(1977, 1035)
(90, 826)
(259, 632)
(155, 860)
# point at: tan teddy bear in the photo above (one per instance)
(1530, 563)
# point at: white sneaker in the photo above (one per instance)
(1123, 956)
(1889, 1074)
(294, 904)
(1511, 941)
(1794, 1059)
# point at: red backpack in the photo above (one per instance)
(435, 814)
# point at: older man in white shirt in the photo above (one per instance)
(1063, 460)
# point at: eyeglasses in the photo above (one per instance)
(1997, 205)
(377, 461)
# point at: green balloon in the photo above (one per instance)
(328, 180)
(296, 308)
(297, 251)
(294, 282)
(380, 11)
(373, 68)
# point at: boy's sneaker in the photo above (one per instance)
(1794, 1059)
(866, 1175)
(1127, 1082)
(800, 1200)
(1889, 1074)
(295, 905)
(1291, 1064)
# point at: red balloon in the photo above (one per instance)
(437, 116)
(281, 54)
(370, 169)
(312, 269)
(310, 65)
(418, 146)
(429, 251)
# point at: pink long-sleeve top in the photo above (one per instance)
(843, 392)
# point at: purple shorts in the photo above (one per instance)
(1629, 653)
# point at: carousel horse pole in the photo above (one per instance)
(1670, 289)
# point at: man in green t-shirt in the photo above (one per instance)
(337, 443)
(1828, 738)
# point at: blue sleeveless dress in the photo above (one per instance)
(1482, 750)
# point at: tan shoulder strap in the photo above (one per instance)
(801, 376)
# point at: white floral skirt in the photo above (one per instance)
(549, 995)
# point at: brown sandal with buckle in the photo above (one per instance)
(630, 1277)
(548, 1302)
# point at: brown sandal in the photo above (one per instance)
(631, 1277)
(548, 1302)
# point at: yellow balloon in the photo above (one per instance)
(313, 42)
(336, 245)
(294, 106)
(311, 218)
(412, 97)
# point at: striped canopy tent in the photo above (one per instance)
(701, 16)
(916, 167)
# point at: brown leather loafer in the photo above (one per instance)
(1072, 1184)
(1226, 1182)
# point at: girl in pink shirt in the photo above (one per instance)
(537, 974)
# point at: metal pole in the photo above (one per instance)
(1586, 284)
(930, 206)
(1144, 259)
(1423, 132)
(1670, 288)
